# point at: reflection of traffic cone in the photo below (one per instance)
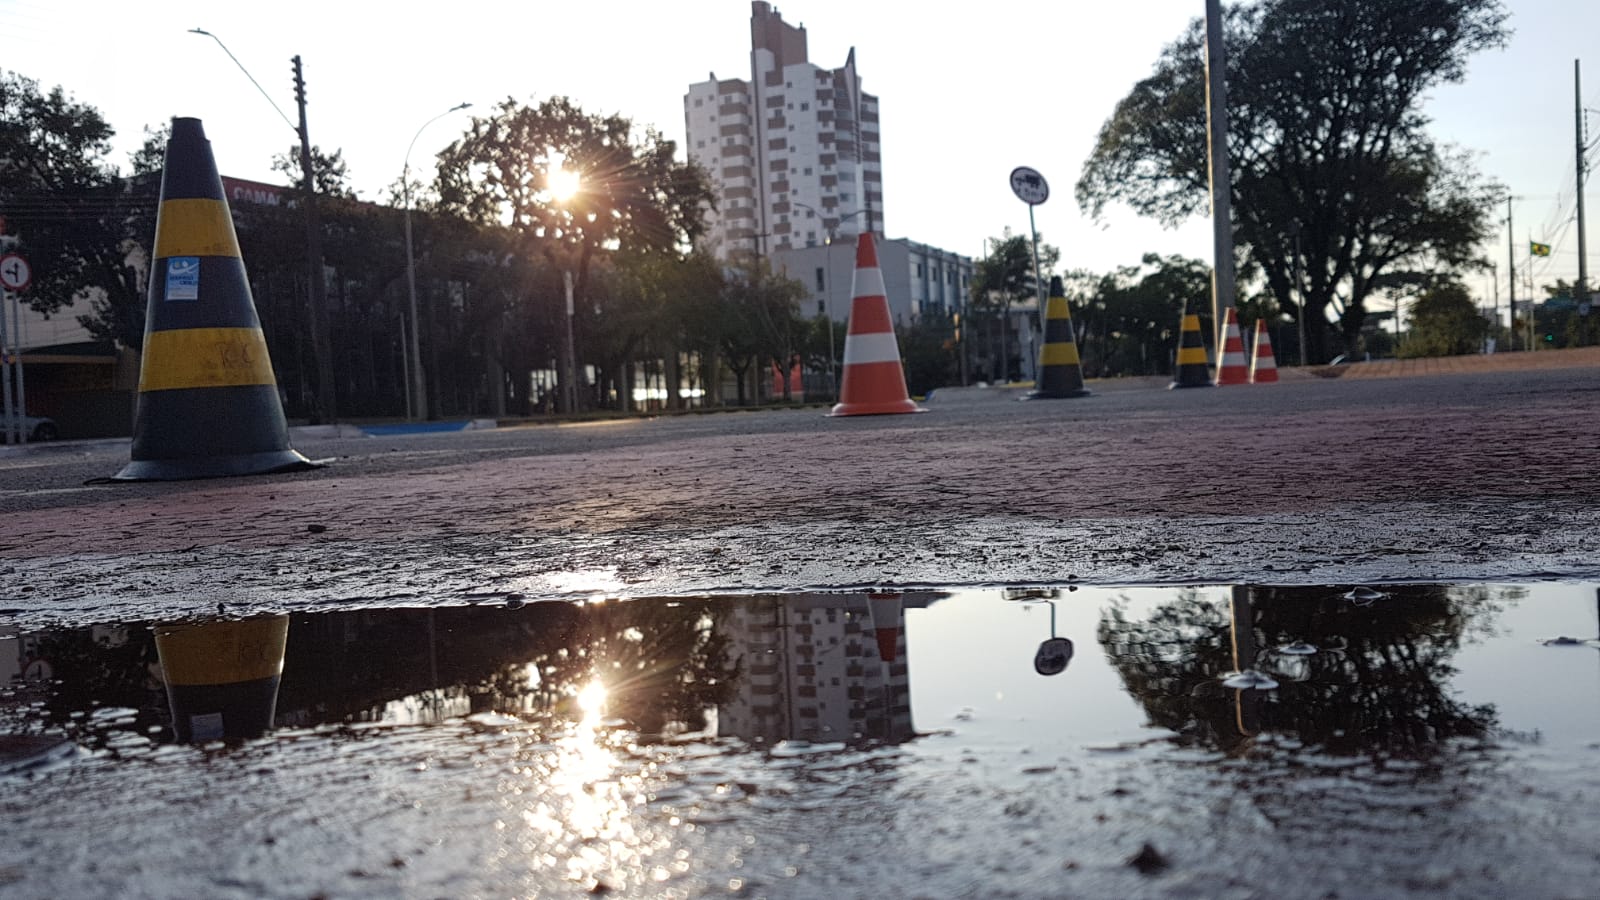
(1263, 367)
(886, 615)
(873, 383)
(1060, 372)
(208, 401)
(222, 677)
(1193, 369)
(1231, 367)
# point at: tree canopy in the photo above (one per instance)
(1338, 192)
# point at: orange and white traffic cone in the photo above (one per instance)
(1263, 367)
(1231, 368)
(886, 613)
(874, 382)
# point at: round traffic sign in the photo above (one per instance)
(14, 272)
(1029, 186)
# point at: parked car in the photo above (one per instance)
(39, 428)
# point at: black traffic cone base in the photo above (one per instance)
(268, 463)
(1055, 395)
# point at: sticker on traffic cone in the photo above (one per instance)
(874, 382)
(208, 401)
(1231, 368)
(222, 677)
(1263, 367)
(1060, 371)
(886, 616)
(1193, 368)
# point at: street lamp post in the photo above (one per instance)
(418, 409)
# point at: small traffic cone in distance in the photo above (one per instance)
(874, 383)
(886, 612)
(1060, 370)
(1263, 367)
(208, 400)
(1193, 368)
(1231, 368)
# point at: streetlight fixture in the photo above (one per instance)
(419, 384)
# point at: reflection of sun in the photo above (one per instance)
(592, 699)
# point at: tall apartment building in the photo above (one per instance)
(793, 152)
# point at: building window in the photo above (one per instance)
(822, 307)
(821, 279)
(804, 107)
(699, 102)
(808, 170)
(919, 270)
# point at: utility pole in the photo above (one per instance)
(1222, 273)
(321, 340)
(1511, 281)
(1582, 289)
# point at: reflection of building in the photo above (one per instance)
(811, 671)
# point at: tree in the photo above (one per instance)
(1128, 320)
(79, 224)
(1004, 277)
(1445, 322)
(1327, 148)
(632, 192)
(764, 326)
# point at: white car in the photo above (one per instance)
(39, 428)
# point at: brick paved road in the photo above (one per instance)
(1476, 475)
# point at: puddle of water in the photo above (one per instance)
(1026, 742)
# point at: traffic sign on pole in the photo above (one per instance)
(15, 274)
(1029, 186)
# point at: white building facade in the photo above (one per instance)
(793, 152)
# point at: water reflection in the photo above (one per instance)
(1379, 684)
(812, 673)
(808, 667)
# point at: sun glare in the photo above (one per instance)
(564, 183)
(592, 699)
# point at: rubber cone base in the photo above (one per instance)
(875, 409)
(214, 466)
(1055, 395)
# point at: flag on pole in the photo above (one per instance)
(1538, 249)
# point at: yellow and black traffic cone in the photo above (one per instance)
(1060, 371)
(222, 677)
(1193, 368)
(208, 401)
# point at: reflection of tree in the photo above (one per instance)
(1377, 686)
(102, 667)
(662, 662)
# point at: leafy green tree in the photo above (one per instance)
(1445, 322)
(632, 192)
(82, 227)
(928, 351)
(764, 325)
(1004, 277)
(1338, 193)
(1128, 320)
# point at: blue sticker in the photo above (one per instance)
(183, 278)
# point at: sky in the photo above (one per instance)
(966, 97)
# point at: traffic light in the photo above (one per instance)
(1549, 338)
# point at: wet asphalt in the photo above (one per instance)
(1453, 477)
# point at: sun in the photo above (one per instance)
(563, 183)
(592, 698)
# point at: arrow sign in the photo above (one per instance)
(15, 274)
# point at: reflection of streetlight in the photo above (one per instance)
(827, 285)
(419, 384)
(562, 184)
